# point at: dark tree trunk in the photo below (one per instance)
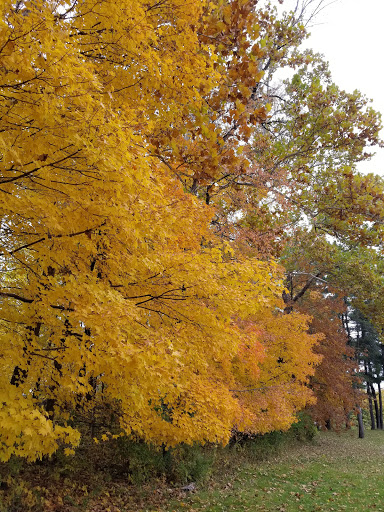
(371, 414)
(290, 299)
(376, 406)
(380, 408)
(361, 424)
(344, 319)
(370, 402)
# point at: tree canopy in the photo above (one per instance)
(151, 177)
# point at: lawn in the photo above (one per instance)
(337, 472)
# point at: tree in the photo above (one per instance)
(369, 352)
(352, 274)
(336, 380)
(114, 288)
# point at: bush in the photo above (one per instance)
(260, 447)
(192, 463)
(136, 462)
(304, 429)
(139, 462)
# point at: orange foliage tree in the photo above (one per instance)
(336, 382)
(320, 277)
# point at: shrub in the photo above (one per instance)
(304, 429)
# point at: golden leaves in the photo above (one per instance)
(125, 295)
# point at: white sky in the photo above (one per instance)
(350, 34)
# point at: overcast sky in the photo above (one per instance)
(350, 34)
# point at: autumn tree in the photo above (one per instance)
(114, 287)
(353, 275)
(150, 172)
(336, 381)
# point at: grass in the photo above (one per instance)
(335, 472)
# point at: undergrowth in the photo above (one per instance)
(71, 483)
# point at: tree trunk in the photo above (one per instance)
(372, 416)
(369, 393)
(380, 408)
(376, 405)
(344, 319)
(361, 425)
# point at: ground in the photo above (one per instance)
(335, 472)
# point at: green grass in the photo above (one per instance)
(335, 473)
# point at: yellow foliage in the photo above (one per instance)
(112, 285)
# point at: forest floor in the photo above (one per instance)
(335, 472)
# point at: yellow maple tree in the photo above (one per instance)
(113, 286)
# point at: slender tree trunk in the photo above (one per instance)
(345, 322)
(361, 424)
(369, 393)
(372, 416)
(380, 408)
(376, 406)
